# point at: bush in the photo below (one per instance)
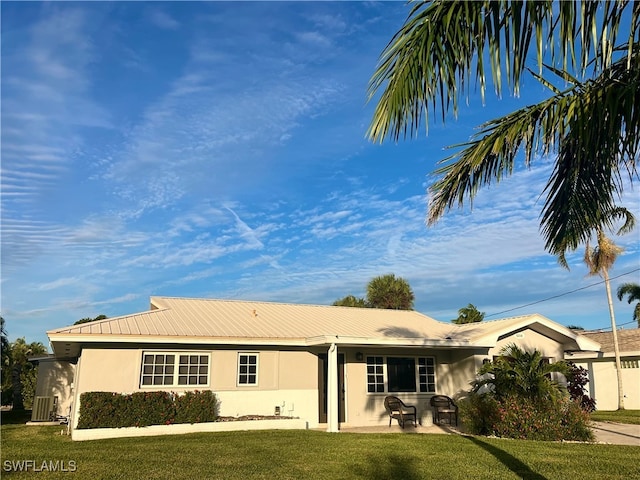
(139, 409)
(479, 413)
(196, 407)
(100, 410)
(576, 385)
(519, 417)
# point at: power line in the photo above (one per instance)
(562, 294)
(607, 329)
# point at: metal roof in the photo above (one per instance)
(197, 320)
(195, 317)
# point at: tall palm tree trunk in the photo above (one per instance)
(616, 349)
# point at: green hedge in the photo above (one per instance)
(139, 409)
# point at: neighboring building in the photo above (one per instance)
(603, 380)
(55, 379)
(324, 364)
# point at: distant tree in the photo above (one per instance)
(468, 314)
(23, 373)
(600, 260)
(387, 291)
(632, 290)
(5, 383)
(350, 301)
(575, 327)
(88, 319)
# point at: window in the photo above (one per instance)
(174, 369)
(248, 369)
(157, 369)
(427, 374)
(401, 374)
(375, 375)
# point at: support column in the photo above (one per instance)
(332, 389)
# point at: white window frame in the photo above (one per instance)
(175, 370)
(376, 369)
(418, 374)
(247, 374)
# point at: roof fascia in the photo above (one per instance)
(583, 342)
(87, 339)
(596, 355)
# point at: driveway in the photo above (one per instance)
(617, 433)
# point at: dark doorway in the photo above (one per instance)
(323, 372)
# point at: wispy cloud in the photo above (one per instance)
(162, 19)
(158, 150)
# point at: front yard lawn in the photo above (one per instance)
(303, 454)
(620, 416)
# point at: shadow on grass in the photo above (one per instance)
(389, 467)
(12, 417)
(521, 469)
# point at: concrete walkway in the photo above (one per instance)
(617, 433)
(605, 432)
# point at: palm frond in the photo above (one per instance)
(632, 290)
(440, 50)
(595, 126)
(598, 150)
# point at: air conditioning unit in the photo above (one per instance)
(43, 409)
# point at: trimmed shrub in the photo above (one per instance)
(140, 409)
(99, 409)
(149, 408)
(196, 407)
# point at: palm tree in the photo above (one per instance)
(390, 292)
(89, 319)
(523, 374)
(350, 301)
(468, 314)
(591, 119)
(599, 260)
(632, 290)
(20, 352)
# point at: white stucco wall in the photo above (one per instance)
(55, 378)
(285, 378)
(529, 340)
(603, 382)
(290, 378)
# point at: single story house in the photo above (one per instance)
(603, 380)
(328, 365)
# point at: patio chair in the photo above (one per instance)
(443, 406)
(397, 409)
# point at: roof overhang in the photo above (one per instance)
(571, 340)
(585, 355)
(70, 345)
(390, 342)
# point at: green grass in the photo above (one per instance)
(620, 416)
(303, 454)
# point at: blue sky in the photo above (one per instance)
(218, 150)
